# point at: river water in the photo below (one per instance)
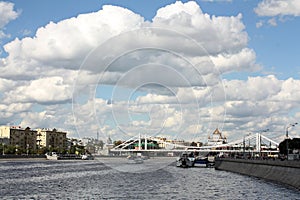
(115, 178)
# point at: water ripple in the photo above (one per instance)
(94, 180)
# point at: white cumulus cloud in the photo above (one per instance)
(277, 9)
(273, 8)
(7, 14)
(47, 90)
(178, 82)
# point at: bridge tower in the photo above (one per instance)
(258, 142)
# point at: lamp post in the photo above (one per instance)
(249, 142)
(244, 145)
(249, 145)
(2, 139)
(287, 138)
(3, 152)
(27, 149)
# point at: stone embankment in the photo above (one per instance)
(284, 172)
(12, 156)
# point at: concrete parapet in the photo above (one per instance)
(284, 172)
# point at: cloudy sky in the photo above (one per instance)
(178, 69)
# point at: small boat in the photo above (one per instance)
(87, 157)
(56, 156)
(201, 161)
(52, 156)
(211, 161)
(207, 161)
(185, 160)
(136, 159)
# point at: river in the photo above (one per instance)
(115, 178)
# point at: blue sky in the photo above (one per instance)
(275, 45)
(46, 79)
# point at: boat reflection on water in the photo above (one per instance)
(137, 159)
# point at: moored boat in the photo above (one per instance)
(56, 156)
(211, 161)
(205, 161)
(185, 160)
(52, 156)
(201, 161)
(135, 159)
(87, 157)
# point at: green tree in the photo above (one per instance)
(118, 142)
(194, 144)
(292, 144)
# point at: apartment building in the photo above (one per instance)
(51, 138)
(22, 139)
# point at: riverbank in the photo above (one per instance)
(9, 157)
(12, 156)
(283, 172)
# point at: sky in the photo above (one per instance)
(175, 69)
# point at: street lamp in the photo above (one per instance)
(244, 145)
(27, 149)
(2, 139)
(287, 138)
(3, 148)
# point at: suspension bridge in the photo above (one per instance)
(255, 143)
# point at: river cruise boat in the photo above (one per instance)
(56, 156)
(206, 161)
(185, 160)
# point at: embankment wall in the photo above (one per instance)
(284, 172)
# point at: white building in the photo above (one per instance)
(216, 139)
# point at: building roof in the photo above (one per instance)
(217, 132)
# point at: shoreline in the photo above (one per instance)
(9, 157)
(22, 159)
(283, 172)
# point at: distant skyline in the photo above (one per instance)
(178, 69)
